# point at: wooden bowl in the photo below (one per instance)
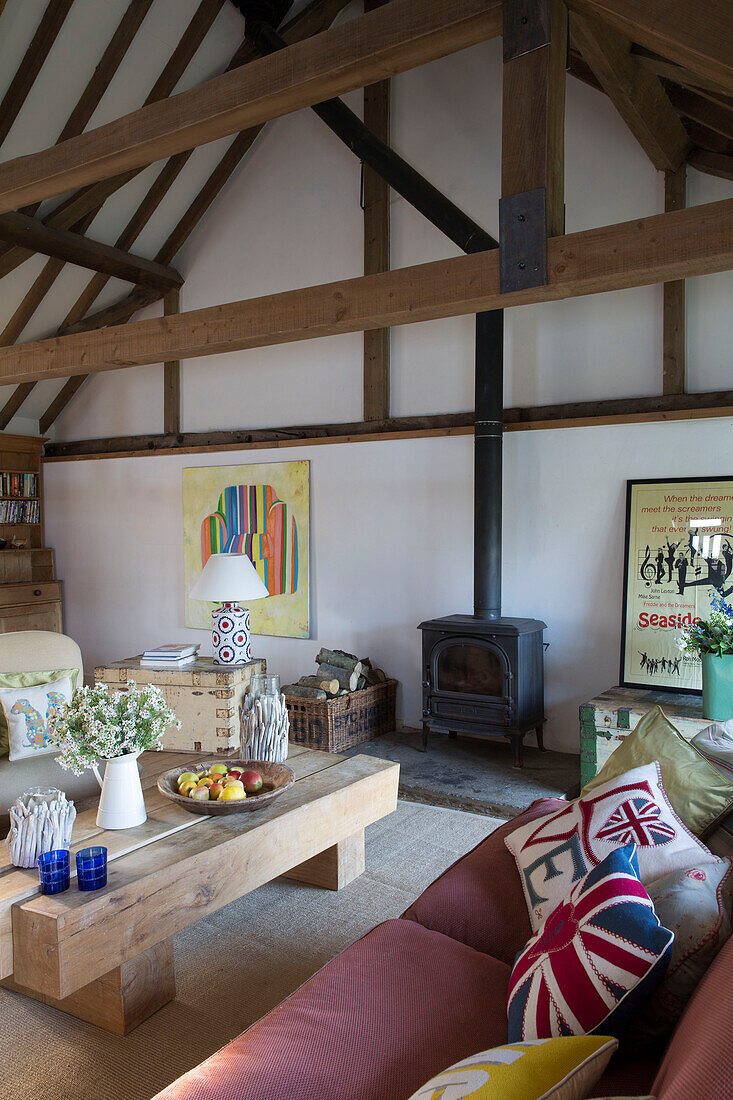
(276, 778)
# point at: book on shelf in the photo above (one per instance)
(172, 651)
(18, 485)
(20, 511)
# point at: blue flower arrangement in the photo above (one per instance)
(713, 635)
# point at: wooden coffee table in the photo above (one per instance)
(107, 956)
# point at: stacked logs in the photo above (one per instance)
(337, 673)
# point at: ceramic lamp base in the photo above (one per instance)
(230, 635)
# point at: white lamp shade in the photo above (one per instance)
(228, 578)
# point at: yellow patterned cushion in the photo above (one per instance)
(561, 1069)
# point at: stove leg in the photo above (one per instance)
(540, 732)
(425, 732)
(515, 740)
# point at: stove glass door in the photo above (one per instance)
(469, 669)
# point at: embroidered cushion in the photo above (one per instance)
(28, 679)
(700, 793)
(696, 905)
(556, 851)
(594, 960)
(560, 1069)
(27, 710)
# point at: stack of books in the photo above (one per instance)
(173, 655)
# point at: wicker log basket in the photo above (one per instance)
(333, 725)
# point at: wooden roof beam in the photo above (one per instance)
(46, 34)
(313, 18)
(676, 245)
(389, 40)
(73, 248)
(715, 116)
(694, 35)
(636, 93)
(91, 199)
(713, 164)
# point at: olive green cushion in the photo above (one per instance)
(26, 680)
(700, 794)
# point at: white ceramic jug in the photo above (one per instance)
(121, 805)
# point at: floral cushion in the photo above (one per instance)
(27, 711)
(594, 960)
(696, 905)
(545, 1069)
(554, 852)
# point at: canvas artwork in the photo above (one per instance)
(261, 510)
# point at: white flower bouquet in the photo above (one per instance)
(97, 724)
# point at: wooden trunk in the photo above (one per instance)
(206, 697)
(606, 720)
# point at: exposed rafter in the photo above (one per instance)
(74, 248)
(46, 34)
(636, 93)
(693, 34)
(667, 246)
(381, 43)
(315, 17)
(91, 199)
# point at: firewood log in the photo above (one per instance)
(347, 679)
(338, 658)
(331, 687)
(375, 676)
(300, 692)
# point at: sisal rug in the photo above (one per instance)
(231, 968)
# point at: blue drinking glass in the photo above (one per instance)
(91, 868)
(53, 871)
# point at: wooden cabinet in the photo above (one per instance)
(30, 596)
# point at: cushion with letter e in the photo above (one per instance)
(554, 852)
(545, 1069)
(594, 961)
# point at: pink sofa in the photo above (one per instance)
(419, 993)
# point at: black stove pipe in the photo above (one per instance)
(489, 354)
(487, 464)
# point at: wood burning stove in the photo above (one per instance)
(483, 673)
(484, 677)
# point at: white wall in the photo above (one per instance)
(391, 522)
(391, 545)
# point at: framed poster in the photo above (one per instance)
(261, 510)
(679, 554)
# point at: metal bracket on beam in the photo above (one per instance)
(526, 26)
(523, 241)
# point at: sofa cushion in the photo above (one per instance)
(555, 1069)
(594, 960)
(554, 853)
(479, 899)
(384, 1016)
(698, 1064)
(701, 794)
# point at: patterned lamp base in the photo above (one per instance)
(230, 634)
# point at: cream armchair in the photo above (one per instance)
(38, 651)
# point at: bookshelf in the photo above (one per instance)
(30, 595)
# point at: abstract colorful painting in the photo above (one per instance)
(261, 510)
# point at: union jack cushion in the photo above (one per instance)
(594, 960)
(556, 851)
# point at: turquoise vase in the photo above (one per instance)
(717, 687)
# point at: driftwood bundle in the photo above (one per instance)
(37, 827)
(265, 726)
